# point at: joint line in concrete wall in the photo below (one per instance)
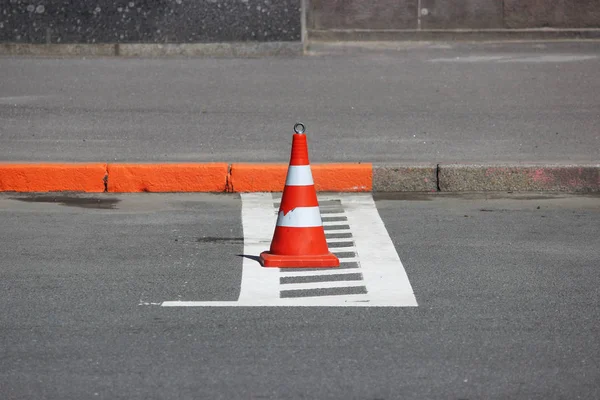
(419, 15)
(303, 27)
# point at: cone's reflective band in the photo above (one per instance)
(299, 175)
(300, 217)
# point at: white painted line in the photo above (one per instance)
(516, 58)
(14, 100)
(344, 299)
(332, 231)
(299, 175)
(300, 217)
(350, 300)
(468, 59)
(348, 259)
(320, 285)
(383, 272)
(330, 223)
(551, 58)
(335, 215)
(342, 249)
(258, 283)
(332, 271)
(339, 240)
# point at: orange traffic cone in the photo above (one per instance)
(299, 238)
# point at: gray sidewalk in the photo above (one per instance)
(406, 103)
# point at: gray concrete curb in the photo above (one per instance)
(480, 177)
(574, 178)
(405, 178)
(239, 49)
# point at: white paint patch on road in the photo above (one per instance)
(371, 273)
(552, 58)
(17, 100)
(517, 58)
(468, 59)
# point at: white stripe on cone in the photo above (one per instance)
(300, 217)
(299, 175)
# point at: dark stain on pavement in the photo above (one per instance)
(103, 203)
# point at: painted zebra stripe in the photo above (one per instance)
(285, 280)
(331, 291)
(320, 285)
(342, 270)
(339, 242)
(340, 249)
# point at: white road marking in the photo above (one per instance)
(324, 272)
(334, 223)
(320, 285)
(384, 277)
(258, 283)
(341, 249)
(339, 240)
(353, 300)
(332, 231)
(383, 272)
(348, 259)
(469, 59)
(16, 100)
(551, 58)
(517, 58)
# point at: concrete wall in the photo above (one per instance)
(148, 21)
(552, 13)
(451, 14)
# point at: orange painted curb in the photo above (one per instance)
(126, 178)
(52, 177)
(327, 177)
(343, 177)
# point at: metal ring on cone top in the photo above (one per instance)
(299, 128)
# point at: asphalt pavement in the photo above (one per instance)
(506, 284)
(533, 102)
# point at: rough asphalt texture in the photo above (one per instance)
(419, 103)
(507, 289)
